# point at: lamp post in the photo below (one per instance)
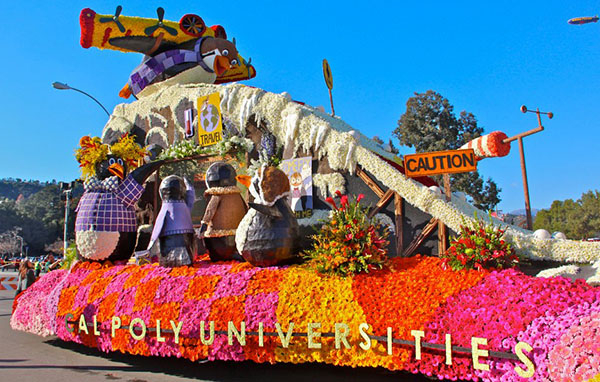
(66, 188)
(61, 86)
(21, 239)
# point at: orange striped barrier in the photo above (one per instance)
(8, 283)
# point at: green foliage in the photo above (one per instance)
(430, 124)
(485, 196)
(70, 257)
(479, 246)
(12, 188)
(40, 216)
(349, 242)
(576, 219)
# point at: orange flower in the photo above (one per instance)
(164, 313)
(145, 292)
(67, 299)
(265, 281)
(227, 309)
(201, 287)
(182, 271)
(106, 309)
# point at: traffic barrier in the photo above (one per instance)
(8, 283)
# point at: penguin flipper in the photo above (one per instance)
(266, 210)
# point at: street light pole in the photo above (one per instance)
(61, 86)
(66, 188)
(20, 238)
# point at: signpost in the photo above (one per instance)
(520, 137)
(209, 120)
(440, 162)
(444, 163)
(328, 82)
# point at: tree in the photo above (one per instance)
(10, 242)
(576, 219)
(40, 215)
(430, 124)
(57, 247)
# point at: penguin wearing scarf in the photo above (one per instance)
(196, 61)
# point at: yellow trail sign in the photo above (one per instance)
(440, 162)
(327, 74)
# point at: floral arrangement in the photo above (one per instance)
(70, 256)
(182, 149)
(236, 144)
(188, 148)
(92, 151)
(558, 318)
(480, 246)
(329, 136)
(329, 183)
(349, 242)
(33, 314)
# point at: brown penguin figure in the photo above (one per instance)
(223, 214)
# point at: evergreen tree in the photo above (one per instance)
(430, 124)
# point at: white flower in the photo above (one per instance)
(311, 129)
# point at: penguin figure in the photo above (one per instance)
(269, 232)
(105, 226)
(173, 226)
(195, 61)
(223, 214)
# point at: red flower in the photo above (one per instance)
(478, 267)
(331, 201)
(338, 193)
(360, 197)
(344, 201)
(349, 237)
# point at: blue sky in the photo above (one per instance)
(485, 57)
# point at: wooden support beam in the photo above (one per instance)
(442, 229)
(417, 241)
(385, 199)
(370, 182)
(399, 213)
(442, 238)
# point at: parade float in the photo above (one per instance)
(238, 273)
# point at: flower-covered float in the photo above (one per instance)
(360, 299)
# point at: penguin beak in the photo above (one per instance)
(116, 169)
(244, 179)
(221, 65)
